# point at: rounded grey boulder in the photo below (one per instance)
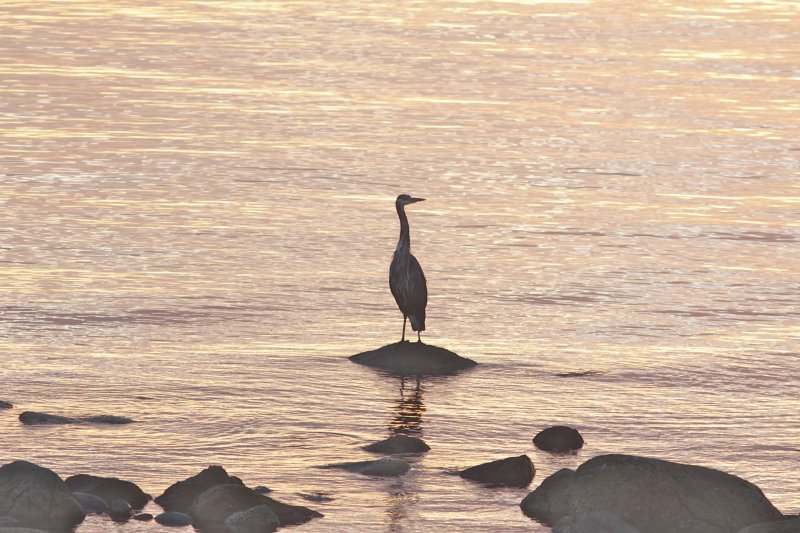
(413, 359)
(174, 519)
(558, 439)
(510, 472)
(789, 525)
(91, 504)
(398, 444)
(120, 511)
(37, 498)
(211, 508)
(179, 496)
(259, 519)
(652, 495)
(594, 522)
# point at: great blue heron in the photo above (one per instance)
(406, 279)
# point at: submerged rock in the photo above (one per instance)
(259, 519)
(789, 525)
(558, 439)
(652, 495)
(5, 405)
(37, 498)
(174, 519)
(510, 472)
(36, 418)
(398, 444)
(413, 359)
(142, 517)
(211, 508)
(91, 504)
(386, 467)
(109, 489)
(594, 522)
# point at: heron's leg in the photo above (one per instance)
(418, 337)
(404, 328)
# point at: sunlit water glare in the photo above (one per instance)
(198, 218)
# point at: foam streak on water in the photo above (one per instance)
(197, 214)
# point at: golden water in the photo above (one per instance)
(197, 213)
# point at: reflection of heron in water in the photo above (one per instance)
(406, 279)
(407, 418)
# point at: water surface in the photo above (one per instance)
(197, 203)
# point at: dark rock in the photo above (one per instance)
(510, 472)
(386, 467)
(318, 497)
(652, 495)
(261, 489)
(211, 508)
(37, 497)
(5, 405)
(109, 489)
(551, 501)
(91, 504)
(179, 496)
(594, 522)
(398, 444)
(21, 530)
(413, 359)
(34, 418)
(108, 419)
(120, 511)
(174, 519)
(259, 519)
(789, 525)
(558, 439)
(8, 521)
(143, 517)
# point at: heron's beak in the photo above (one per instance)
(413, 200)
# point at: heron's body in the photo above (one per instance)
(406, 279)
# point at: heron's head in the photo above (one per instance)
(405, 199)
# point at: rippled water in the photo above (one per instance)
(197, 213)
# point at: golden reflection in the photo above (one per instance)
(408, 410)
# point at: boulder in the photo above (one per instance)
(174, 519)
(5, 405)
(179, 496)
(509, 472)
(142, 517)
(259, 519)
(652, 495)
(120, 511)
(37, 498)
(398, 444)
(386, 467)
(558, 439)
(109, 489)
(594, 522)
(211, 508)
(789, 525)
(91, 504)
(413, 359)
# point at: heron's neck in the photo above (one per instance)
(404, 243)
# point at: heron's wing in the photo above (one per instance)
(418, 294)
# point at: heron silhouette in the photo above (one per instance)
(406, 279)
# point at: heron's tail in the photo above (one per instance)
(417, 322)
